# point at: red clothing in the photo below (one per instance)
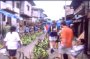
(66, 36)
(47, 27)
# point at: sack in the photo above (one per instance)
(3, 51)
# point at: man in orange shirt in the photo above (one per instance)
(66, 39)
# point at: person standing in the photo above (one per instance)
(12, 41)
(6, 29)
(66, 40)
(26, 30)
(52, 37)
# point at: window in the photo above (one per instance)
(28, 7)
(3, 17)
(18, 4)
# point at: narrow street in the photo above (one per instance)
(28, 50)
(64, 22)
(25, 51)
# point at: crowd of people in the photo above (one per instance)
(62, 38)
(11, 37)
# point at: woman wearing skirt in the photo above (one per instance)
(12, 40)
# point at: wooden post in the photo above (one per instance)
(86, 34)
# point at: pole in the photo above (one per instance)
(0, 23)
(65, 10)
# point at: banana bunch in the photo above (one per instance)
(1, 46)
(37, 34)
(45, 43)
(40, 53)
(33, 37)
(26, 40)
(40, 50)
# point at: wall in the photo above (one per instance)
(36, 13)
(69, 10)
(17, 10)
(26, 9)
(34, 20)
(13, 20)
(4, 5)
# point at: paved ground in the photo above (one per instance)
(26, 51)
(55, 54)
(3, 57)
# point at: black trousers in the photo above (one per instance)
(65, 56)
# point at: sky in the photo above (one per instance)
(53, 9)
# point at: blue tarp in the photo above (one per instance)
(9, 14)
(58, 23)
(68, 22)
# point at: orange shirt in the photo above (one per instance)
(66, 36)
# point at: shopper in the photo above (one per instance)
(52, 37)
(12, 41)
(66, 40)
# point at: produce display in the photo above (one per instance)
(28, 39)
(37, 34)
(40, 51)
(1, 46)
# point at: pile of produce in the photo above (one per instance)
(1, 46)
(40, 51)
(28, 39)
(37, 34)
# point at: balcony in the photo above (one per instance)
(7, 7)
(2, 5)
(16, 10)
(80, 9)
(25, 15)
(25, 9)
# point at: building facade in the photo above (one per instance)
(68, 10)
(16, 13)
(37, 14)
(82, 11)
(26, 11)
(9, 9)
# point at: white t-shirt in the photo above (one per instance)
(12, 40)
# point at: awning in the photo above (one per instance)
(68, 22)
(10, 15)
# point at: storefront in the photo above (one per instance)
(83, 8)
